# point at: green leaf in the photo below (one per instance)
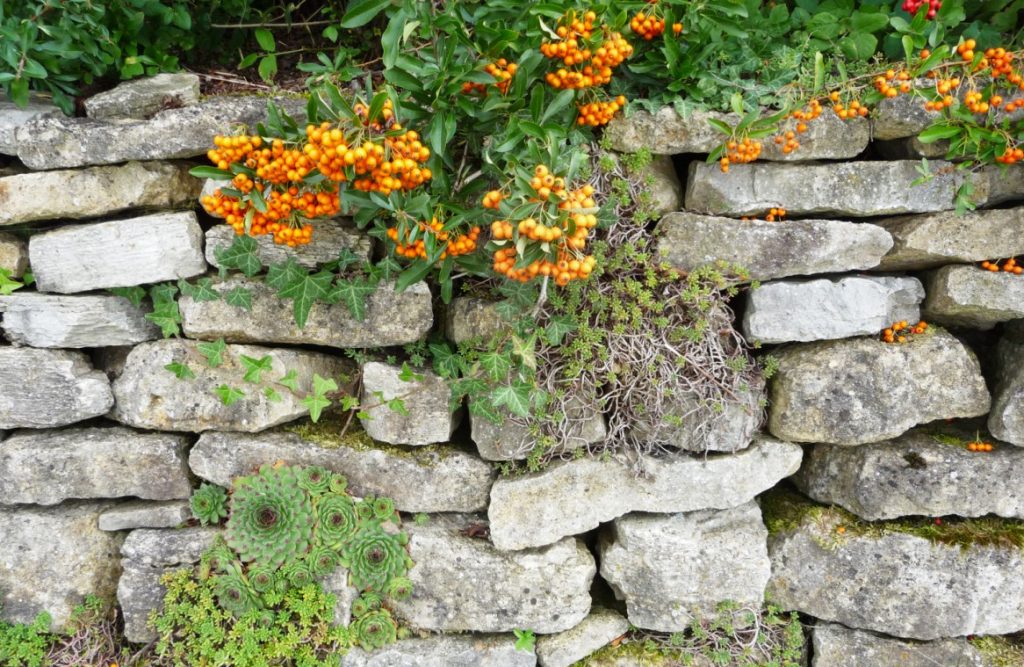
(408, 374)
(283, 274)
(557, 329)
(271, 394)
(354, 294)
(265, 39)
(938, 132)
(514, 397)
(721, 126)
(165, 309)
(323, 386)
(239, 297)
(858, 46)
(201, 291)
(214, 352)
(397, 405)
(290, 380)
(134, 294)
(228, 395)
(819, 72)
(242, 254)
(211, 172)
(446, 363)
(181, 370)
(254, 367)
(305, 291)
(524, 350)
(7, 285)
(361, 12)
(497, 365)
(267, 69)
(316, 405)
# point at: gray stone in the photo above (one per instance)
(463, 583)
(828, 308)
(42, 320)
(972, 297)
(1006, 420)
(573, 497)
(467, 318)
(44, 388)
(140, 98)
(58, 143)
(86, 193)
(13, 254)
(769, 250)
(426, 399)
(119, 253)
(1004, 185)
(661, 192)
(12, 117)
(593, 632)
(444, 651)
(143, 514)
(329, 238)
(936, 239)
(899, 117)
(673, 568)
(392, 318)
(48, 467)
(51, 558)
(855, 189)
(863, 390)
(433, 479)
(150, 396)
(916, 474)
(828, 137)
(896, 583)
(838, 646)
(692, 425)
(514, 438)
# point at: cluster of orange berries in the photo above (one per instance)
(280, 217)
(848, 111)
(599, 113)
(774, 214)
(501, 70)
(746, 150)
(899, 331)
(976, 102)
(1009, 266)
(788, 140)
(565, 270)
(812, 111)
(649, 26)
(1011, 155)
(966, 50)
(457, 245)
(892, 83)
(979, 446)
(232, 149)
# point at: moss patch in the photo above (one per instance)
(1000, 651)
(638, 654)
(327, 433)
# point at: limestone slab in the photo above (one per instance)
(595, 631)
(43, 320)
(689, 424)
(145, 514)
(839, 646)
(12, 117)
(935, 239)
(329, 238)
(428, 416)
(1006, 420)
(140, 98)
(13, 254)
(467, 318)
(973, 297)
(45, 388)
(514, 438)
(445, 651)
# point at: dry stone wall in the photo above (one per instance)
(100, 446)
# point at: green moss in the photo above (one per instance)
(638, 653)
(327, 433)
(1000, 651)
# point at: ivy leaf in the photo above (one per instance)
(398, 405)
(272, 395)
(254, 367)
(322, 386)
(181, 370)
(557, 329)
(239, 297)
(316, 404)
(290, 380)
(242, 254)
(349, 403)
(214, 352)
(354, 293)
(446, 363)
(515, 397)
(165, 309)
(163, 293)
(283, 274)
(346, 258)
(304, 292)
(228, 395)
(7, 285)
(408, 375)
(497, 365)
(524, 350)
(201, 291)
(134, 294)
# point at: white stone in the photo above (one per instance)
(1006, 420)
(141, 98)
(838, 646)
(429, 419)
(13, 254)
(146, 514)
(45, 388)
(43, 320)
(595, 631)
(444, 651)
(970, 296)
(12, 117)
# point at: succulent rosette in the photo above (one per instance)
(373, 557)
(262, 577)
(322, 560)
(338, 483)
(298, 573)
(336, 520)
(271, 518)
(315, 479)
(209, 504)
(374, 630)
(399, 588)
(383, 508)
(234, 593)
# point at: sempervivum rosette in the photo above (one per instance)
(336, 520)
(271, 518)
(373, 557)
(315, 479)
(209, 503)
(374, 630)
(234, 593)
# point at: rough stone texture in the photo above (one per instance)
(12, 117)
(445, 651)
(58, 143)
(828, 308)
(143, 514)
(838, 646)
(86, 193)
(42, 320)
(862, 390)
(429, 420)
(828, 137)
(149, 396)
(899, 117)
(148, 249)
(855, 189)
(51, 558)
(935, 239)
(392, 318)
(463, 583)
(672, 569)
(140, 98)
(466, 318)
(329, 238)
(512, 440)
(44, 388)
(1006, 420)
(916, 474)
(769, 250)
(13, 254)
(972, 297)
(48, 467)
(1004, 185)
(438, 479)
(148, 555)
(896, 583)
(595, 631)
(575, 496)
(730, 430)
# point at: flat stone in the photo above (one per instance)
(58, 143)
(896, 583)
(43, 320)
(899, 117)
(75, 194)
(1004, 185)
(140, 98)
(595, 631)
(45, 388)
(671, 569)
(828, 137)
(434, 479)
(144, 514)
(854, 189)
(862, 390)
(329, 238)
(513, 439)
(972, 297)
(839, 646)
(692, 425)
(168, 548)
(13, 254)
(429, 419)
(916, 475)
(932, 240)
(150, 396)
(444, 651)
(48, 467)
(769, 250)
(12, 117)
(51, 558)
(827, 308)
(467, 318)
(573, 497)
(392, 318)
(1006, 420)
(148, 249)
(464, 584)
